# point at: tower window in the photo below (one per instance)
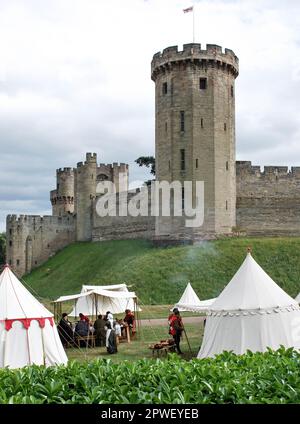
(169, 165)
(196, 163)
(226, 205)
(182, 197)
(227, 166)
(232, 92)
(10, 231)
(182, 120)
(165, 88)
(18, 261)
(225, 126)
(166, 127)
(10, 242)
(182, 159)
(202, 126)
(203, 83)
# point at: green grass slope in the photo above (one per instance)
(159, 275)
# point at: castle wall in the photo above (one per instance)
(122, 227)
(268, 201)
(31, 239)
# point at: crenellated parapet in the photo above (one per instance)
(212, 56)
(246, 168)
(38, 220)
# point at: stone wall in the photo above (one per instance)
(268, 200)
(32, 239)
(122, 227)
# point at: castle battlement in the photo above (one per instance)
(91, 157)
(213, 55)
(246, 167)
(115, 165)
(66, 171)
(39, 220)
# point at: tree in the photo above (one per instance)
(148, 161)
(2, 248)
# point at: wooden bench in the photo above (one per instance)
(89, 340)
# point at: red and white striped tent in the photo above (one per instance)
(28, 334)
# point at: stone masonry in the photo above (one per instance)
(194, 141)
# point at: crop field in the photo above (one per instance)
(271, 377)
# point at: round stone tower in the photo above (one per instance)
(195, 133)
(85, 192)
(62, 199)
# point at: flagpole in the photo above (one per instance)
(193, 24)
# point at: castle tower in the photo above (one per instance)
(62, 199)
(85, 191)
(195, 132)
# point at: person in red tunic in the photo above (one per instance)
(130, 321)
(176, 328)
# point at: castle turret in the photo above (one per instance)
(195, 131)
(62, 199)
(85, 191)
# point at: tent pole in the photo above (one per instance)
(187, 340)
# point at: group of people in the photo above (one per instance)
(106, 330)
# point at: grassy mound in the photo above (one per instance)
(159, 275)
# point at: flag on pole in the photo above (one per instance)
(189, 9)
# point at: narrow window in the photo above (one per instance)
(202, 123)
(182, 159)
(203, 83)
(165, 88)
(232, 92)
(166, 127)
(225, 126)
(196, 163)
(10, 231)
(182, 197)
(35, 262)
(182, 120)
(18, 261)
(226, 205)
(10, 242)
(227, 166)
(169, 165)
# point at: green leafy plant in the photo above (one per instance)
(270, 377)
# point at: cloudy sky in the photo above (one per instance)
(75, 77)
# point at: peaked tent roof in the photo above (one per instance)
(189, 301)
(16, 301)
(27, 330)
(189, 296)
(251, 288)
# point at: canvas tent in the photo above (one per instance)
(189, 301)
(94, 300)
(298, 298)
(252, 312)
(28, 334)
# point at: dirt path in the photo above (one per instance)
(164, 321)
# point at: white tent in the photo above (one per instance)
(95, 300)
(189, 301)
(252, 312)
(298, 298)
(28, 334)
